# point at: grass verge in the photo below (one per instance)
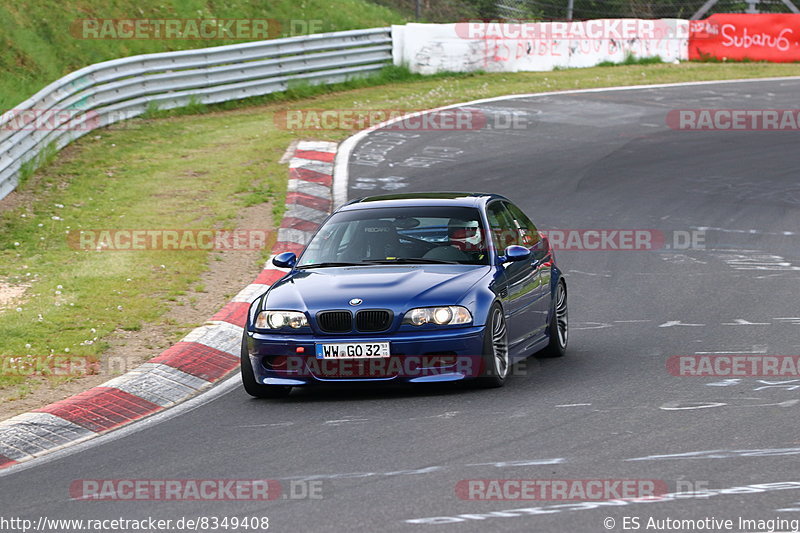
(43, 40)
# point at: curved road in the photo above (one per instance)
(389, 460)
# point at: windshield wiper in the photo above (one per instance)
(328, 264)
(411, 260)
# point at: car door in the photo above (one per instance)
(541, 262)
(519, 277)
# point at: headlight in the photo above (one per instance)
(280, 319)
(449, 315)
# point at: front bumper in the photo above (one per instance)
(415, 357)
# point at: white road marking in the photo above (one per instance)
(743, 322)
(275, 424)
(341, 170)
(353, 475)
(720, 454)
(756, 350)
(757, 261)
(725, 383)
(680, 496)
(687, 406)
(344, 421)
(591, 325)
(682, 258)
(789, 385)
(425, 470)
(672, 323)
(588, 273)
(789, 509)
(765, 276)
(787, 403)
(691, 405)
(446, 415)
(746, 231)
(524, 462)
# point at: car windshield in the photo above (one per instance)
(403, 235)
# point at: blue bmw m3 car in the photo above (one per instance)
(418, 288)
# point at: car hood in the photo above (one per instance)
(388, 287)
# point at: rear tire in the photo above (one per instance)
(495, 360)
(559, 324)
(253, 387)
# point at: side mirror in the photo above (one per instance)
(515, 253)
(285, 260)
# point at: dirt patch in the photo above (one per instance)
(228, 273)
(11, 295)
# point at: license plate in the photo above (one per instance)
(353, 350)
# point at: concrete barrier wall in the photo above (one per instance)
(494, 47)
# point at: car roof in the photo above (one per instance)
(420, 199)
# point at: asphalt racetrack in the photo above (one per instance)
(724, 207)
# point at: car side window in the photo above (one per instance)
(527, 235)
(501, 226)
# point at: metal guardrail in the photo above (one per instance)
(105, 93)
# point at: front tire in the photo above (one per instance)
(253, 387)
(495, 359)
(559, 324)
